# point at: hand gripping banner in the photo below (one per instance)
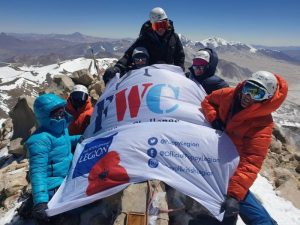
(147, 125)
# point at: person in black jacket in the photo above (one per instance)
(140, 58)
(158, 36)
(203, 71)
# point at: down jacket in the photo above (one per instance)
(81, 117)
(49, 148)
(250, 130)
(209, 81)
(162, 50)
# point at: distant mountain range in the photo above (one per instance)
(33, 49)
(236, 60)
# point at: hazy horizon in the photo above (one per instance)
(268, 22)
(254, 44)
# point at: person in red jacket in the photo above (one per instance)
(244, 113)
(80, 107)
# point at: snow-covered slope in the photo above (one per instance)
(235, 47)
(217, 42)
(280, 209)
(18, 80)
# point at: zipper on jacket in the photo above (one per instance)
(52, 168)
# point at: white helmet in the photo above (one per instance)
(140, 51)
(157, 14)
(265, 79)
(80, 88)
(202, 54)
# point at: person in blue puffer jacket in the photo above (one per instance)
(49, 150)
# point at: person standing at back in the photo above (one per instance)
(158, 36)
(203, 71)
(140, 58)
(80, 107)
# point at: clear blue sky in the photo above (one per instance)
(267, 22)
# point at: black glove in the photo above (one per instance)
(81, 139)
(110, 73)
(231, 207)
(218, 124)
(39, 212)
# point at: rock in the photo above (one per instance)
(281, 176)
(63, 81)
(276, 146)
(277, 132)
(11, 201)
(7, 135)
(297, 169)
(8, 125)
(6, 160)
(13, 181)
(13, 178)
(4, 143)
(99, 87)
(288, 148)
(297, 156)
(23, 118)
(289, 190)
(82, 77)
(94, 96)
(285, 158)
(16, 147)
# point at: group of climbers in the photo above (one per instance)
(244, 113)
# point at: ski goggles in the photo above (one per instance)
(202, 68)
(79, 96)
(78, 99)
(140, 61)
(58, 113)
(256, 92)
(163, 24)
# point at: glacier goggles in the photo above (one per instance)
(79, 96)
(78, 99)
(58, 113)
(202, 68)
(163, 24)
(256, 92)
(140, 60)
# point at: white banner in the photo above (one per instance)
(158, 93)
(150, 128)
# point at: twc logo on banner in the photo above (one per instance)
(130, 100)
